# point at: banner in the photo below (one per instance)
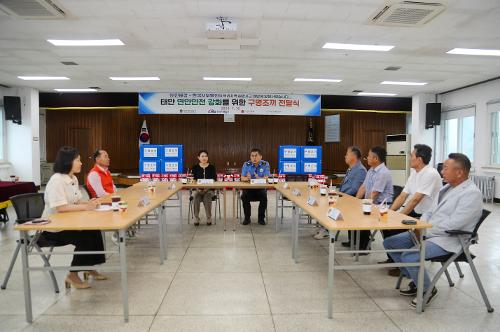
(229, 103)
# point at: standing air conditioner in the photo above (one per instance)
(398, 158)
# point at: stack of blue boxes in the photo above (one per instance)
(294, 159)
(161, 159)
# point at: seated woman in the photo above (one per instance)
(62, 194)
(203, 170)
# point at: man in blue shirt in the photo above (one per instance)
(377, 185)
(255, 168)
(353, 179)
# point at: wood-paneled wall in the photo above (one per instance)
(117, 132)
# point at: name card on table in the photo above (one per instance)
(334, 214)
(296, 192)
(205, 181)
(258, 181)
(144, 201)
(312, 201)
(172, 186)
(286, 186)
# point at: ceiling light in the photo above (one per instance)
(227, 79)
(85, 42)
(377, 94)
(43, 78)
(403, 83)
(358, 47)
(324, 80)
(76, 90)
(474, 51)
(135, 78)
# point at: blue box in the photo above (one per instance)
(289, 152)
(172, 166)
(289, 167)
(310, 167)
(150, 152)
(172, 151)
(149, 166)
(311, 153)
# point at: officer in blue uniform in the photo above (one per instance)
(253, 169)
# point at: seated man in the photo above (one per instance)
(99, 180)
(377, 185)
(253, 169)
(353, 179)
(420, 192)
(459, 207)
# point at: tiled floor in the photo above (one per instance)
(247, 281)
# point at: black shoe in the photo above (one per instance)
(246, 221)
(262, 221)
(434, 292)
(394, 272)
(387, 261)
(346, 244)
(410, 291)
(197, 223)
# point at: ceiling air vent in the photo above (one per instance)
(32, 9)
(407, 13)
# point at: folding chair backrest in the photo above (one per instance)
(28, 206)
(396, 192)
(484, 215)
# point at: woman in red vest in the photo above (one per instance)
(99, 180)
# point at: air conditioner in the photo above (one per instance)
(407, 13)
(32, 9)
(398, 158)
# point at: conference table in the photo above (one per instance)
(351, 219)
(102, 221)
(299, 194)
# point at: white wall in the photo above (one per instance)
(478, 95)
(23, 149)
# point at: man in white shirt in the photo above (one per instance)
(420, 193)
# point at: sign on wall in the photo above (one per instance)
(229, 103)
(332, 128)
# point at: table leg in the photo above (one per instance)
(331, 265)
(180, 211)
(421, 271)
(235, 202)
(295, 234)
(26, 276)
(225, 205)
(276, 216)
(358, 240)
(165, 240)
(161, 234)
(123, 267)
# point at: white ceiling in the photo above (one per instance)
(291, 33)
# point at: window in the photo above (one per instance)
(494, 113)
(459, 132)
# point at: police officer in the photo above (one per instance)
(253, 169)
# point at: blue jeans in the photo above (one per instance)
(405, 241)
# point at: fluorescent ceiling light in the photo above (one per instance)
(75, 90)
(227, 79)
(85, 42)
(358, 47)
(403, 83)
(43, 78)
(377, 94)
(474, 51)
(324, 80)
(135, 78)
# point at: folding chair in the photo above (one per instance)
(28, 207)
(464, 255)
(215, 198)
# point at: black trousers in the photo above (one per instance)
(83, 241)
(254, 195)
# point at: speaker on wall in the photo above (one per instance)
(432, 115)
(12, 107)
